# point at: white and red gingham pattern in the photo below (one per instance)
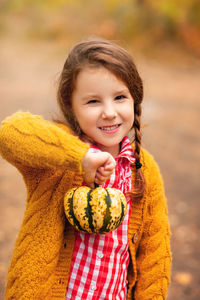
(100, 262)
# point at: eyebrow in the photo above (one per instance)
(123, 91)
(89, 96)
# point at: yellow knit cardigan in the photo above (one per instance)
(49, 159)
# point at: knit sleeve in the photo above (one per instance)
(29, 140)
(154, 256)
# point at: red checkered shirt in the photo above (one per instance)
(100, 262)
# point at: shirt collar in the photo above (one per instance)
(125, 152)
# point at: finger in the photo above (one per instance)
(101, 179)
(103, 172)
(99, 182)
(110, 164)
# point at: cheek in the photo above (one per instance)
(130, 118)
(79, 113)
(86, 120)
(128, 113)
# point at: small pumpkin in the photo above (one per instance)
(95, 210)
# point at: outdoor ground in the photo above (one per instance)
(28, 73)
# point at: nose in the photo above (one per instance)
(109, 111)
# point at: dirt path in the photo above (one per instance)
(171, 112)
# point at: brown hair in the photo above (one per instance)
(98, 52)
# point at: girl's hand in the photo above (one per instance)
(97, 167)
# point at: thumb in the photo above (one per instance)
(104, 159)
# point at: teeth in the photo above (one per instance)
(107, 128)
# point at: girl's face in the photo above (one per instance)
(103, 107)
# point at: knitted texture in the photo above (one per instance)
(49, 158)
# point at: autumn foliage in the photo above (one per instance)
(146, 21)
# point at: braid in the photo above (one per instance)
(136, 125)
(139, 183)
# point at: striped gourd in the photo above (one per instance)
(96, 210)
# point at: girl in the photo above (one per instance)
(100, 94)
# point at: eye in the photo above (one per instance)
(120, 97)
(92, 101)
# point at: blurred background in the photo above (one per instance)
(164, 39)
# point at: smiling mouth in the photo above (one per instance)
(109, 128)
